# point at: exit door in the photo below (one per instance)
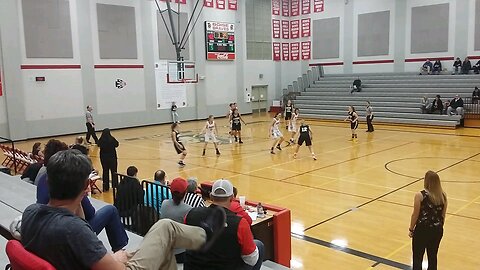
(259, 98)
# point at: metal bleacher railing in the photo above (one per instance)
(10, 157)
(472, 108)
(139, 213)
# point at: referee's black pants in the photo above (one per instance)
(91, 132)
(369, 123)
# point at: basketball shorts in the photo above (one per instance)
(306, 139)
(237, 127)
(179, 150)
(292, 128)
(277, 134)
(210, 137)
(354, 125)
(288, 115)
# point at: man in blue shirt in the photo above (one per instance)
(162, 190)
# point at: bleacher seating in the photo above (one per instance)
(395, 97)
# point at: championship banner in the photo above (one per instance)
(295, 8)
(285, 29)
(295, 51)
(306, 24)
(294, 29)
(285, 8)
(232, 4)
(208, 3)
(306, 50)
(306, 7)
(276, 7)
(276, 51)
(276, 28)
(221, 4)
(318, 6)
(285, 51)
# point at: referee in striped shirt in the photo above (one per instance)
(192, 198)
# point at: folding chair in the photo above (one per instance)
(21, 259)
(93, 182)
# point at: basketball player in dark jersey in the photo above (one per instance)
(179, 147)
(288, 113)
(353, 118)
(237, 121)
(231, 107)
(304, 135)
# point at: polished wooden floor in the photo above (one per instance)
(357, 194)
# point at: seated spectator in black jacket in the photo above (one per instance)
(457, 65)
(356, 86)
(426, 68)
(437, 105)
(476, 95)
(129, 193)
(456, 106)
(437, 67)
(466, 66)
(476, 67)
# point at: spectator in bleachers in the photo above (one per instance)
(30, 173)
(106, 217)
(192, 198)
(37, 151)
(53, 146)
(235, 248)
(426, 105)
(437, 67)
(238, 209)
(356, 85)
(129, 193)
(437, 105)
(466, 66)
(80, 145)
(108, 158)
(163, 191)
(476, 67)
(427, 68)
(457, 65)
(476, 95)
(456, 107)
(56, 234)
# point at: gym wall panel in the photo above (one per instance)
(326, 38)
(59, 96)
(120, 90)
(430, 28)
(373, 34)
(166, 49)
(47, 28)
(477, 26)
(117, 35)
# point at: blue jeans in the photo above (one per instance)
(261, 254)
(107, 217)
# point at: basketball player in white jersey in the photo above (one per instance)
(211, 132)
(292, 128)
(275, 133)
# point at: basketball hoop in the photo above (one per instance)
(181, 72)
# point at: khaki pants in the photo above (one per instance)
(156, 250)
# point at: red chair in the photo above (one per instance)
(21, 259)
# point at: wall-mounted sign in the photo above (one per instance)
(220, 40)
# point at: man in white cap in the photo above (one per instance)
(235, 249)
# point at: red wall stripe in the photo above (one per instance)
(327, 64)
(50, 66)
(473, 57)
(372, 62)
(118, 66)
(431, 59)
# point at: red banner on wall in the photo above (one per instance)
(295, 29)
(306, 49)
(232, 4)
(285, 8)
(285, 51)
(276, 28)
(275, 7)
(285, 29)
(220, 4)
(277, 51)
(318, 5)
(295, 8)
(306, 24)
(306, 7)
(208, 3)
(295, 51)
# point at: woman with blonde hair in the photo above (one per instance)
(426, 224)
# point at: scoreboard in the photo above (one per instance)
(220, 41)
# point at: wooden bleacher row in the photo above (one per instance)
(17, 159)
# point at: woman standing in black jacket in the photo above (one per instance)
(108, 158)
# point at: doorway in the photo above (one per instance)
(259, 98)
